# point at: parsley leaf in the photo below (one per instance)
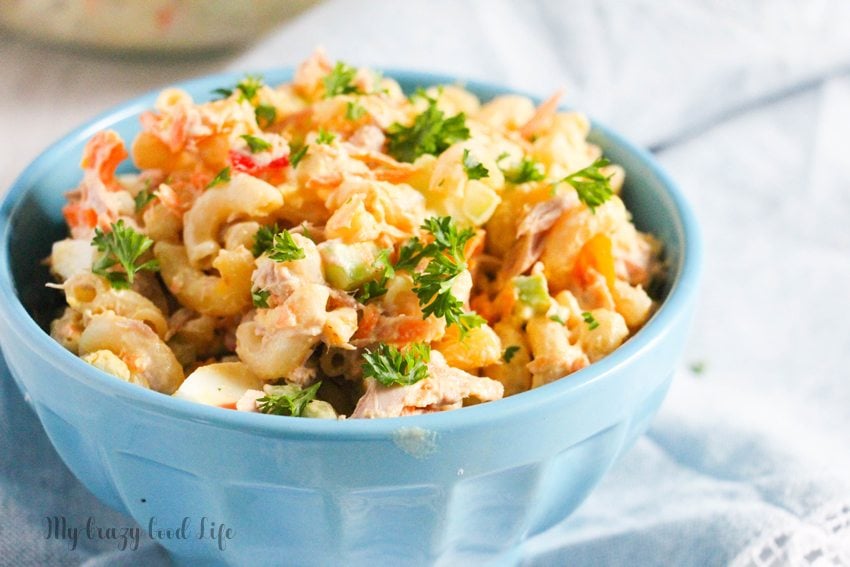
(338, 81)
(284, 248)
(260, 298)
(287, 400)
(325, 137)
(354, 111)
(142, 199)
(557, 319)
(256, 144)
(469, 321)
(410, 254)
(122, 246)
(527, 170)
(222, 93)
(591, 321)
(447, 237)
(474, 169)
(305, 231)
(249, 86)
(510, 352)
(377, 288)
(263, 239)
(265, 114)
(222, 176)
(433, 286)
(592, 186)
(431, 133)
(391, 366)
(296, 156)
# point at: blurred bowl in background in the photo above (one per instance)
(147, 26)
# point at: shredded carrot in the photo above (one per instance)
(77, 216)
(597, 253)
(410, 329)
(392, 175)
(371, 314)
(103, 153)
(474, 245)
(482, 305)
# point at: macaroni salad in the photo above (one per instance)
(334, 248)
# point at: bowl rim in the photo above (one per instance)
(675, 306)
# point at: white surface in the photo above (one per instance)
(748, 106)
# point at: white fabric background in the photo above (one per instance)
(747, 103)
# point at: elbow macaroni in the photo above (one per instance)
(147, 358)
(243, 197)
(225, 294)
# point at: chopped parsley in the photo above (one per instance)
(591, 321)
(305, 230)
(527, 170)
(222, 92)
(558, 319)
(339, 80)
(354, 111)
(296, 156)
(263, 239)
(287, 400)
(256, 144)
(592, 186)
(410, 254)
(122, 246)
(247, 87)
(446, 262)
(420, 92)
(142, 199)
(378, 287)
(325, 137)
(446, 237)
(222, 176)
(474, 169)
(510, 352)
(260, 298)
(266, 115)
(391, 366)
(430, 133)
(284, 248)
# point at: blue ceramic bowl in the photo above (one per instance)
(461, 486)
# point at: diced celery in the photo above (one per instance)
(281, 390)
(319, 409)
(479, 202)
(349, 266)
(533, 292)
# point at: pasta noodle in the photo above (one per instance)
(147, 358)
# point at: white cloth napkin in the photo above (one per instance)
(746, 103)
